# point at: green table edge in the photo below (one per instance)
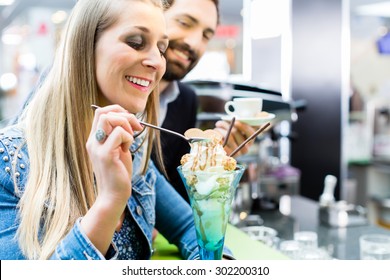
(242, 246)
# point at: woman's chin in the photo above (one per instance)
(136, 109)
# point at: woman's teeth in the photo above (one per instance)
(138, 81)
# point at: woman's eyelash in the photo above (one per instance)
(135, 45)
(162, 50)
(139, 44)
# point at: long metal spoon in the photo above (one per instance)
(188, 139)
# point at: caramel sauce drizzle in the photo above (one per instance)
(210, 156)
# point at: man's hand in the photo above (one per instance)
(240, 132)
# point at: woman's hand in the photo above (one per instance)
(239, 133)
(108, 148)
(111, 157)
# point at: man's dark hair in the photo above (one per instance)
(216, 2)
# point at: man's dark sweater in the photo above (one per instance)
(181, 115)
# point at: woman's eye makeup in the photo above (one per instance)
(162, 47)
(136, 42)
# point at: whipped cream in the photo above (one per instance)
(205, 164)
(208, 156)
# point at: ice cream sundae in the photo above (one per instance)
(210, 177)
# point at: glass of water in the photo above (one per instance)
(374, 247)
(290, 248)
(307, 239)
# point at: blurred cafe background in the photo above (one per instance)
(321, 66)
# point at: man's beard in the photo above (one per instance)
(175, 70)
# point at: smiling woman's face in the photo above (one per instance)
(129, 56)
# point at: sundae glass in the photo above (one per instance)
(210, 178)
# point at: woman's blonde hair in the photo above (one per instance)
(57, 123)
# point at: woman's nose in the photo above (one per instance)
(154, 59)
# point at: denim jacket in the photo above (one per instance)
(153, 203)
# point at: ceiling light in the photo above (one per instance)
(8, 81)
(11, 39)
(59, 17)
(381, 9)
(27, 61)
(267, 18)
(6, 2)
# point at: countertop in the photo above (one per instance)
(341, 242)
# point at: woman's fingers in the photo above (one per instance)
(113, 115)
(119, 137)
(105, 110)
(108, 122)
(112, 163)
(108, 118)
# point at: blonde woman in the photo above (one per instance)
(77, 183)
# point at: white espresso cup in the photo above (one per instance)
(244, 107)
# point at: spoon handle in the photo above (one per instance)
(153, 126)
(163, 129)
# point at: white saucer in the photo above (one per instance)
(250, 121)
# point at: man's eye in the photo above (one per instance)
(208, 35)
(208, 38)
(184, 23)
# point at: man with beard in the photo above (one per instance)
(191, 24)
